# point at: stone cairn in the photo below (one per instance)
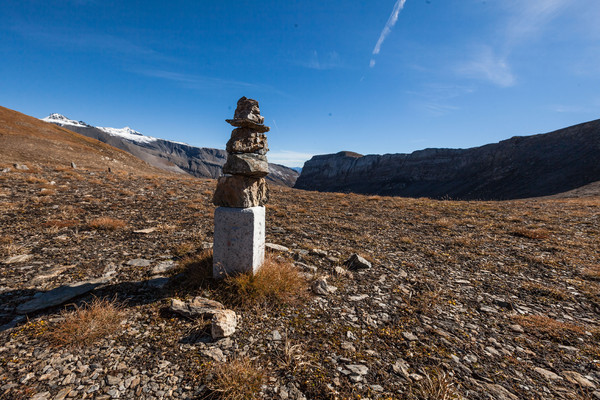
(239, 237)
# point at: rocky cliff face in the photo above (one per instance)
(179, 157)
(519, 167)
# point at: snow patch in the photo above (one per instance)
(62, 120)
(129, 134)
(126, 133)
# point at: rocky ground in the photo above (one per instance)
(474, 300)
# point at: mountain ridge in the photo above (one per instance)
(27, 140)
(166, 154)
(519, 167)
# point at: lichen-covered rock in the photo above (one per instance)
(245, 140)
(239, 191)
(254, 165)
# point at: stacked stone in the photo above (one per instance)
(244, 184)
(239, 238)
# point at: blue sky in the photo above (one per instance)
(376, 76)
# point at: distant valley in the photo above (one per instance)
(165, 154)
(520, 167)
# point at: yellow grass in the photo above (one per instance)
(87, 324)
(239, 379)
(106, 223)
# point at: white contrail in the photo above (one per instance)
(388, 27)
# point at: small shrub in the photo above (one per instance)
(106, 223)
(87, 324)
(277, 282)
(239, 379)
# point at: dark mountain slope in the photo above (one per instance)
(519, 167)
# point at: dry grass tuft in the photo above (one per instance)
(435, 386)
(47, 192)
(107, 224)
(239, 379)
(8, 247)
(592, 272)
(538, 233)
(34, 179)
(183, 249)
(87, 324)
(292, 356)
(196, 269)
(538, 289)
(277, 282)
(551, 328)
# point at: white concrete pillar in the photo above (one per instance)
(239, 240)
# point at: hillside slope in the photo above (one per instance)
(519, 167)
(172, 156)
(24, 139)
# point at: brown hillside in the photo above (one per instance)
(27, 140)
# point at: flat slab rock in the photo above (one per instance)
(59, 295)
(246, 123)
(163, 266)
(277, 247)
(139, 262)
(18, 259)
(197, 308)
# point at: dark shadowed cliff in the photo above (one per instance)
(520, 167)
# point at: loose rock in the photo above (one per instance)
(197, 308)
(356, 262)
(223, 324)
(59, 295)
(321, 288)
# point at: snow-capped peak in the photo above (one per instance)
(62, 120)
(128, 133)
